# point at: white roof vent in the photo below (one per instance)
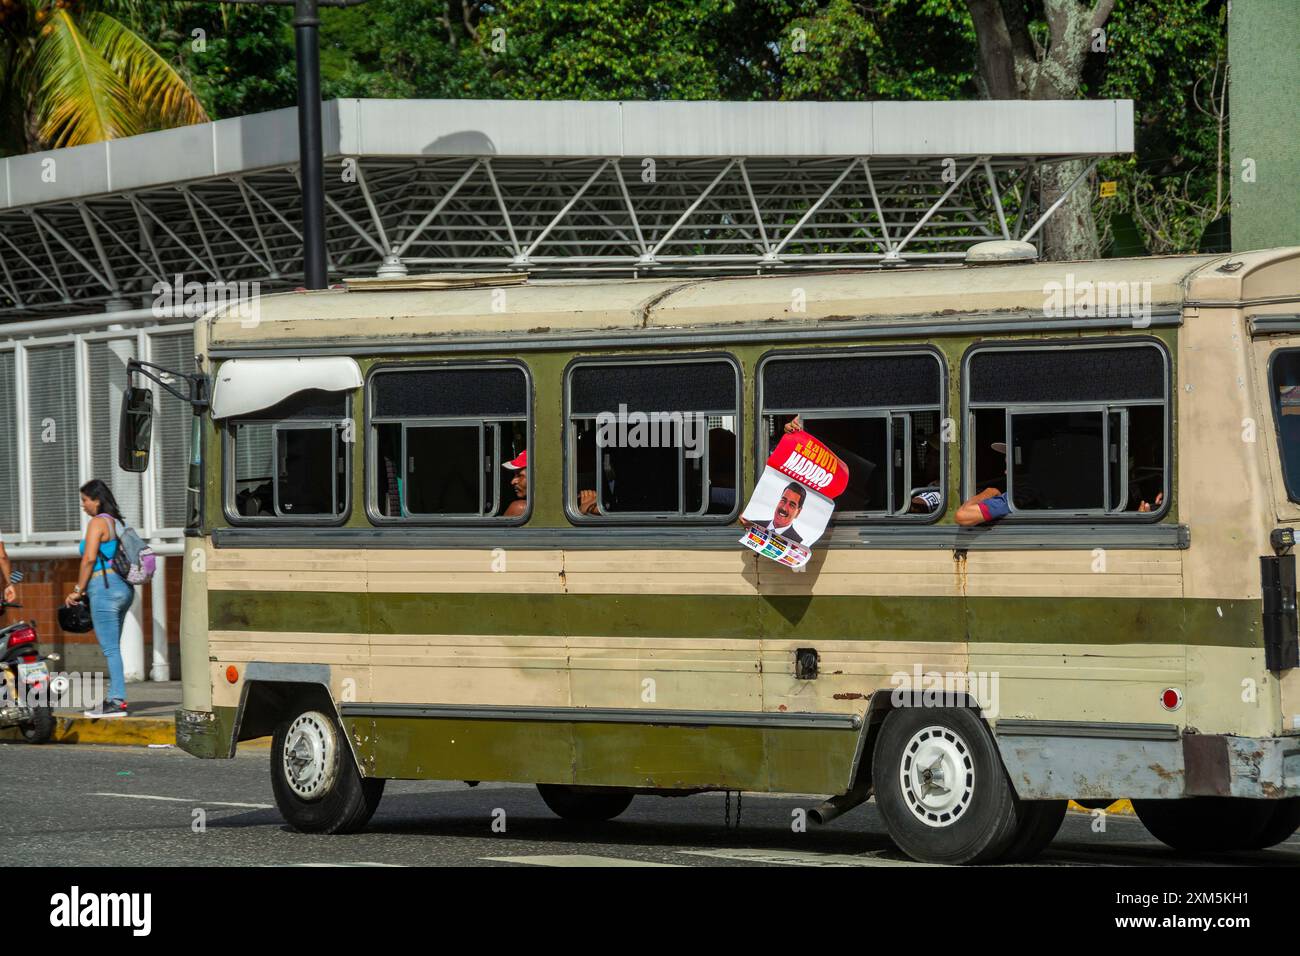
(1000, 250)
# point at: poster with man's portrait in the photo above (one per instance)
(794, 499)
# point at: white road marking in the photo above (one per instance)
(360, 863)
(803, 858)
(573, 859)
(197, 803)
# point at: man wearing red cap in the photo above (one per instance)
(519, 465)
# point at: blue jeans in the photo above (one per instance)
(110, 599)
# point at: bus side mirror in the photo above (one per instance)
(135, 429)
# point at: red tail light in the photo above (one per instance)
(24, 635)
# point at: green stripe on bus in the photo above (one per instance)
(1041, 620)
(606, 755)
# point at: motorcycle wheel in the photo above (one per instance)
(40, 728)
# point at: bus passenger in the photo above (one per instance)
(991, 503)
(519, 482)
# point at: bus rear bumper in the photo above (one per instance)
(1049, 761)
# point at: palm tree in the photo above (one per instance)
(71, 73)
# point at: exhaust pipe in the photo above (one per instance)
(838, 806)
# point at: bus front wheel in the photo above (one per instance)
(584, 805)
(317, 785)
(942, 790)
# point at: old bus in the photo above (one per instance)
(370, 583)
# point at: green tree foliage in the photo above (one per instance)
(894, 50)
(237, 59)
(610, 49)
(1160, 53)
(74, 72)
(1170, 58)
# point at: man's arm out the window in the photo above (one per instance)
(970, 513)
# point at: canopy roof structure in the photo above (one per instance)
(543, 188)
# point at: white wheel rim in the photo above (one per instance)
(937, 775)
(308, 758)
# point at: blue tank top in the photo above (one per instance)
(106, 549)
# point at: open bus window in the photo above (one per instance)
(291, 461)
(1069, 430)
(440, 436)
(1284, 378)
(653, 441)
(880, 412)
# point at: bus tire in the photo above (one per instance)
(1284, 821)
(1037, 822)
(966, 812)
(1206, 824)
(584, 805)
(317, 785)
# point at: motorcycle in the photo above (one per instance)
(26, 687)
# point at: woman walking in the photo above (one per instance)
(110, 596)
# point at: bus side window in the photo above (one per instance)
(1069, 430)
(439, 436)
(653, 440)
(879, 410)
(291, 461)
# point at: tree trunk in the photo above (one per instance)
(1071, 231)
(1050, 72)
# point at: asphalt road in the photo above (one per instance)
(122, 806)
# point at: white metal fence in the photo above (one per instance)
(60, 399)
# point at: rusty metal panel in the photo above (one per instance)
(1206, 758)
(1090, 768)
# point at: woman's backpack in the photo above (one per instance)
(133, 561)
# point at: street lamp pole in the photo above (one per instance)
(306, 35)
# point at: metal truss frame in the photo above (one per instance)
(577, 216)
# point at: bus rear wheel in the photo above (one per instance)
(317, 785)
(584, 805)
(1207, 824)
(1284, 821)
(941, 788)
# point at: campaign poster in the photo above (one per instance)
(794, 499)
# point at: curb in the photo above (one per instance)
(135, 731)
(118, 731)
(1119, 806)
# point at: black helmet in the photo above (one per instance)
(75, 618)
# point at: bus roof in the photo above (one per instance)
(503, 307)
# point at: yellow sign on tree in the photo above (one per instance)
(1108, 188)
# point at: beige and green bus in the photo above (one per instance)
(373, 579)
